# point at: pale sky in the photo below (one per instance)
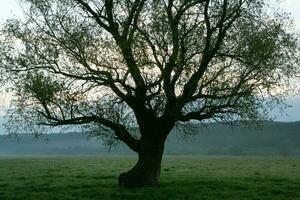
(11, 8)
(293, 7)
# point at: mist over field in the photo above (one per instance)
(274, 138)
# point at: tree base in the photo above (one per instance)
(133, 180)
(146, 171)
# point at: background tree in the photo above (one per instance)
(122, 64)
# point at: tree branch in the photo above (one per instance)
(119, 130)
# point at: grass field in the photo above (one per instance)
(183, 177)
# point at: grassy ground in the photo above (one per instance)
(233, 178)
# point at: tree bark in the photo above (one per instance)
(146, 172)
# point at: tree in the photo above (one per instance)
(122, 64)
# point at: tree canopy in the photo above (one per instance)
(120, 64)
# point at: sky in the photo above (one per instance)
(11, 8)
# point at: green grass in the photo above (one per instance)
(183, 177)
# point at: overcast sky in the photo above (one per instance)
(11, 8)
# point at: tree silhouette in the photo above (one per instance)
(121, 64)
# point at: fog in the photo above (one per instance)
(274, 138)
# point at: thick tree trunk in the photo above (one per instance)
(146, 172)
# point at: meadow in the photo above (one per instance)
(183, 177)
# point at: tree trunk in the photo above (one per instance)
(146, 172)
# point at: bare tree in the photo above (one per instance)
(123, 64)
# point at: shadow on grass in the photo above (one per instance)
(247, 188)
(105, 187)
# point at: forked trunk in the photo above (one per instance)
(146, 172)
